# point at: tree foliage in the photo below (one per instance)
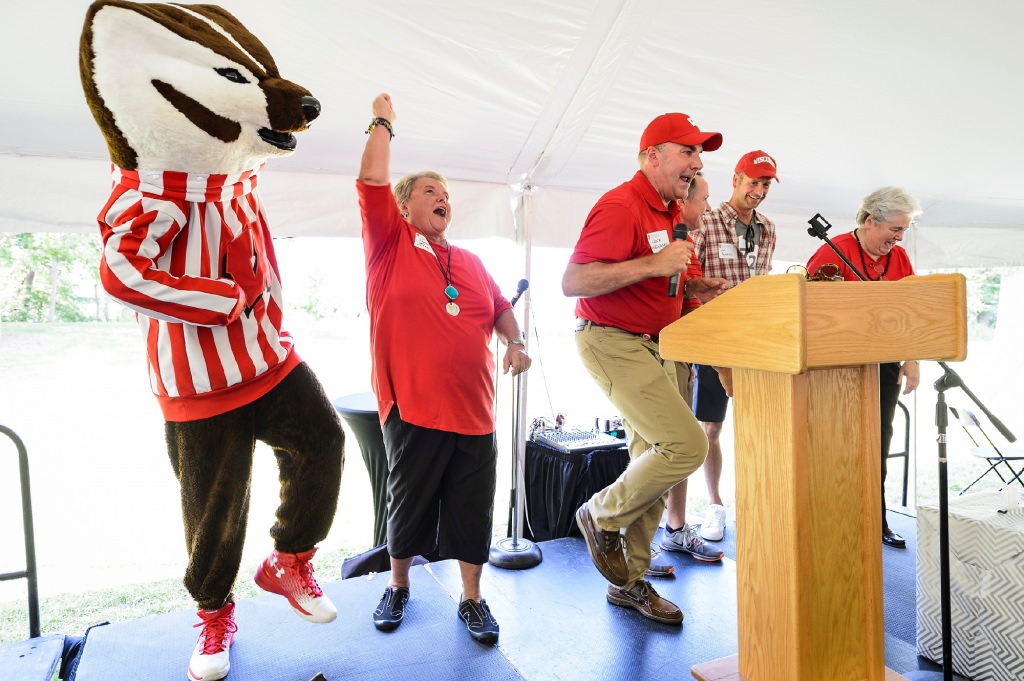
(48, 277)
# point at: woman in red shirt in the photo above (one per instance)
(433, 311)
(873, 248)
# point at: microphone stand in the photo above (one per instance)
(516, 552)
(949, 379)
(945, 606)
(819, 227)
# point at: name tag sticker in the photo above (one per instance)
(657, 240)
(421, 242)
(728, 252)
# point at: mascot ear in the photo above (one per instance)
(161, 79)
(120, 151)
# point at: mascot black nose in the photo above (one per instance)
(310, 107)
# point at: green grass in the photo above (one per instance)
(73, 613)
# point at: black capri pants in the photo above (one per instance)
(441, 489)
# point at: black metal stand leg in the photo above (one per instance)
(941, 423)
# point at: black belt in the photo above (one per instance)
(582, 324)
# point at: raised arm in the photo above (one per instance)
(377, 155)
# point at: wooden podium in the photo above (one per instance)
(805, 384)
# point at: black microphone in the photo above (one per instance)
(520, 290)
(678, 233)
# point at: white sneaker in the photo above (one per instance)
(291, 575)
(211, 657)
(713, 527)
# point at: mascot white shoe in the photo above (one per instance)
(191, 105)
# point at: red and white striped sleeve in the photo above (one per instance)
(155, 263)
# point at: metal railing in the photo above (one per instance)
(29, 573)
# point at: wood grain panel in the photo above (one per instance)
(756, 325)
(808, 498)
(726, 669)
(887, 321)
(785, 324)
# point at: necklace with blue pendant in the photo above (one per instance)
(450, 292)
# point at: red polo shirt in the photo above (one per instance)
(896, 263)
(628, 222)
(437, 368)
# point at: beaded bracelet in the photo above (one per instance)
(381, 121)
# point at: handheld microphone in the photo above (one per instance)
(520, 290)
(679, 232)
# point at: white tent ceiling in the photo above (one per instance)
(847, 97)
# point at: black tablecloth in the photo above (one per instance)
(360, 413)
(558, 483)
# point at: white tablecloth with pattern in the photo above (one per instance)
(986, 549)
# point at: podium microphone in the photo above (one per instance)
(520, 290)
(679, 233)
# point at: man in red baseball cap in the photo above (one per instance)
(736, 243)
(620, 270)
(680, 129)
(757, 164)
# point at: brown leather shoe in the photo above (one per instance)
(645, 600)
(604, 547)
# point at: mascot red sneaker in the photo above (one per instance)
(191, 105)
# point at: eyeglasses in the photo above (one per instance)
(893, 226)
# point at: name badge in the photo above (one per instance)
(421, 242)
(728, 252)
(658, 240)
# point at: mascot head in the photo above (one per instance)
(186, 88)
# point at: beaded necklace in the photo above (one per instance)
(864, 263)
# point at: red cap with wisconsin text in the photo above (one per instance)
(757, 164)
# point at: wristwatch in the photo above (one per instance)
(517, 341)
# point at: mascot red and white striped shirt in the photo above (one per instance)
(192, 255)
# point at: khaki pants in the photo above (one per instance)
(666, 444)
(684, 376)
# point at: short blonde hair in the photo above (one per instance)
(403, 188)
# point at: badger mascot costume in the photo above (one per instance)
(191, 105)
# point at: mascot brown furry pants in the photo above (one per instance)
(212, 457)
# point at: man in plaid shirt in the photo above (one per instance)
(735, 243)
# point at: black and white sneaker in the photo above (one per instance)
(391, 608)
(479, 620)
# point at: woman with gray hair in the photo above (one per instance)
(873, 247)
